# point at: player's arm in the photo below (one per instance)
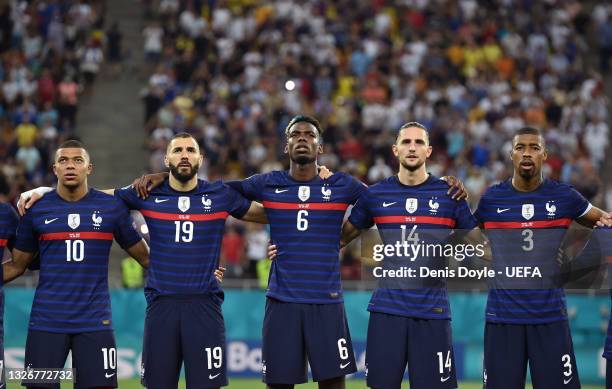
(147, 182)
(256, 214)
(476, 238)
(16, 267)
(456, 189)
(594, 215)
(349, 232)
(140, 252)
(29, 198)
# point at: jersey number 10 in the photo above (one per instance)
(75, 250)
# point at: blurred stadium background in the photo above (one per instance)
(124, 76)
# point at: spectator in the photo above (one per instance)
(257, 238)
(232, 252)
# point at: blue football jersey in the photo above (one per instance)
(526, 229)
(305, 224)
(186, 232)
(74, 241)
(424, 212)
(8, 228)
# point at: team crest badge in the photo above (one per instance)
(528, 211)
(183, 203)
(206, 202)
(433, 205)
(304, 193)
(96, 219)
(551, 208)
(74, 220)
(411, 205)
(326, 193)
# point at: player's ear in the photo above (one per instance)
(166, 162)
(286, 149)
(429, 150)
(394, 149)
(320, 149)
(201, 159)
(89, 168)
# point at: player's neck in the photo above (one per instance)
(303, 172)
(412, 178)
(523, 185)
(72, 194)
(180, 186)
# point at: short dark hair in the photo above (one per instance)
(412, 124)
(304, 118)
(182, 135)
(72, 144)
(529, 131)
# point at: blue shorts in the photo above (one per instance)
(93, 368)
(187, 328)
(547, 347)
(424, 344)
(296, 333)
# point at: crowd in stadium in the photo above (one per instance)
(233, 75)
(50, 54)
(472, 72)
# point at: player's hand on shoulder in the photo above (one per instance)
(219, 273)
(456, 189)
(605, 220)
(272, 252)
(324, 172)
(29, 198)
(147, 182)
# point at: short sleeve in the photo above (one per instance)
(481, 210)
(13, 222)
(128, 196)
(578, 205)
(464, 218)
(356, 188)
(26, 239)
(360, 216)
(238, 205)
(124, 233)
(251, 187)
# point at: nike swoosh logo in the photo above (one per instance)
(50, 220)
(280, 190)
(442, 379)
(157, 201)
(389, 204)
(343, 365)
(109, 375)
(500, 210)
(565, 382)
(212, 377)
